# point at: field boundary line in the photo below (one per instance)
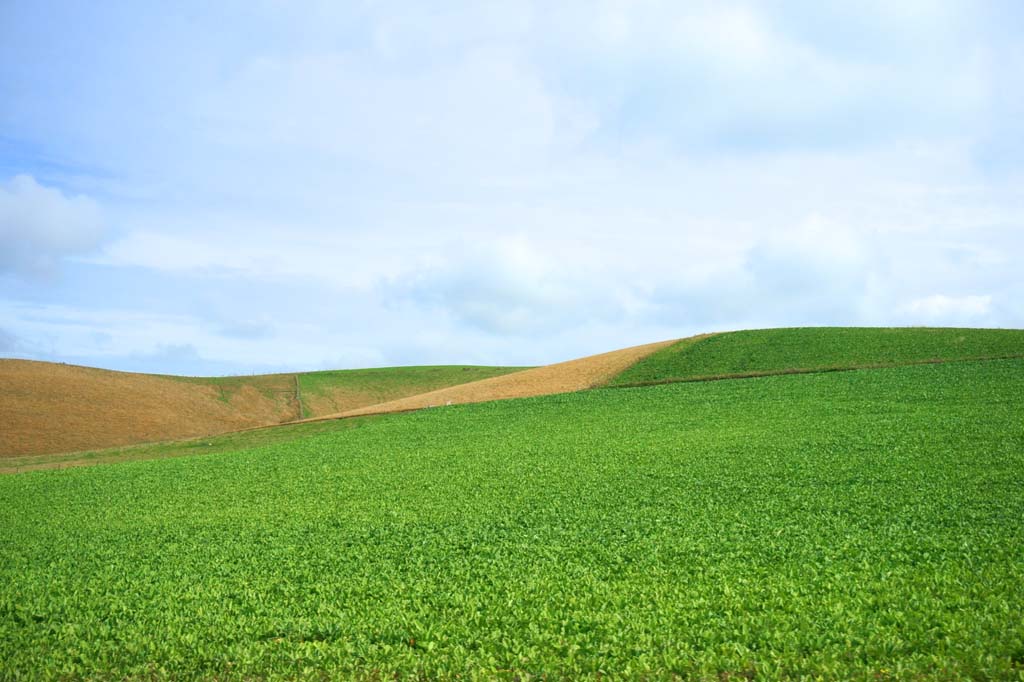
(758, 374)
(298, 396)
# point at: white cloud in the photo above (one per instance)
(39, 226)
(942, 308)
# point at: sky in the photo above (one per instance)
(236, 187)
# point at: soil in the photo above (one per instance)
(340, 399)
(47, 408)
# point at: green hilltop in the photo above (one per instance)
(777, 351)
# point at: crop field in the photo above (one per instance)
(331, 391)
(580, 374)
(207, 445)
(96, 408)
(773, 351)
(863, 525)
(334, 391)
(49, 408)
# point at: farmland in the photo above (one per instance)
(96, 408)
(207, 445)
(561, 377)
(335, 391)
(774, 351)
(857, 525)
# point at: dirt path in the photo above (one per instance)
(564, 377)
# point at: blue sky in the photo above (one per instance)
(279, 185)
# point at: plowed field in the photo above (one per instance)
(50, 408)
(47, 407)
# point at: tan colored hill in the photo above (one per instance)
(563, 377)
(49, 408)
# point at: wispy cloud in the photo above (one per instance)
(39, 226)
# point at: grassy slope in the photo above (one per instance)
(770, 351)
(331, 392)
(863, 525)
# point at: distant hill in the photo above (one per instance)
(562, 377)
(48, 407)
(779, 351)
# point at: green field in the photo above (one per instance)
(774, 351)
(859, 525)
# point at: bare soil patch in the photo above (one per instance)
(340, 399)
(48, 408)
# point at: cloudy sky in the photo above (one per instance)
(236, 187)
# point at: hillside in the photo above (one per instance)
(49, 408)
(856, 525)
(95, 409)
(775, 351)
(336, 391)
(562, 377)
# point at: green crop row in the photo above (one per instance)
(772, 351)
(861, 525)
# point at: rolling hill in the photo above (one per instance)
(562, 377)
(96, 409)
(815, 349)
(49, 408)
(835, 525)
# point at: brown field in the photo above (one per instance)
(563, 377)
(47, 407)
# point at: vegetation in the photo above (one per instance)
(860, 525)
(776, 351)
